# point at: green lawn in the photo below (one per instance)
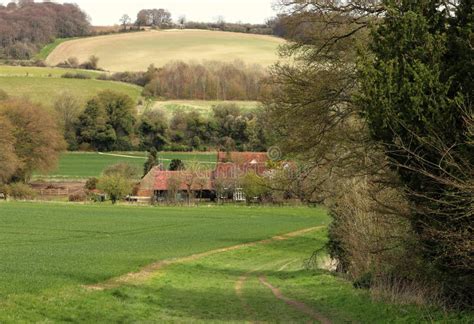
(83, 165)
(48, 251)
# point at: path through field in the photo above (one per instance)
(220, 265)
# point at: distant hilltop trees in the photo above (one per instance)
(162, 19)
(159, 18)
(26, 26)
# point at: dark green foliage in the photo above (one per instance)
(78, 75)
(176, 165)
(151, 162)
(153, 129)
(107, 122)
(364, 282)
(91, 183)
(416, 87)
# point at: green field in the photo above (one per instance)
(201, 106)
(45, 85)
(83, 165)
(136, 51)
(59, 262)
(56, 245)
(43, 72)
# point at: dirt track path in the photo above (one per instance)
(294, 303)
(148, 271)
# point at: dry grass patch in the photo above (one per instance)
(136, 51)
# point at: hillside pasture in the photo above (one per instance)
(201, 106)
(136, 51)
(42, 72)
(45, 85)
(83, 165)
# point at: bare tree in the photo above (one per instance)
(125, 20)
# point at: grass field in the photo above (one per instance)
(43, 72)
(56, 245)
(136, 51)
(201, 106)
(44, 85)
(49, 251)
(83, 165)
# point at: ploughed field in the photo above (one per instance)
(136, 51)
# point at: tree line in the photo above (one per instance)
(211, 80)
(27, 26)
(377, 107)
(109, 122)
(162, 19)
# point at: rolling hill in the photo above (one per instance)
(136, 51)
(44, 85)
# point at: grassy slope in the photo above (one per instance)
(201, 106)
(44, 72)
(81, 165)
(136, 51)
(52, 245)
(49, 48)
(37, 84)
(205, 290)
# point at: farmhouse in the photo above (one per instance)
(222, 182)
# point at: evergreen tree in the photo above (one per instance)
(414, 105)
(151, 162)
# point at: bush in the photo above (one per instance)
(21, 191)
(91, 184)
(177, 148)
(78, 197)
(78, 75)
(116, 186)
(20, 51)
(91, 64)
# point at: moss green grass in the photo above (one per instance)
(83, 165)
(87, 244)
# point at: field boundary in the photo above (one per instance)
(150, 270)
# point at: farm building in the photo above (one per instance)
(222, 182)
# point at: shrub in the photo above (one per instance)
(116, 186)
(77, 197)
(70, 75)
(91, 184)
(21, 191)
(91, 64)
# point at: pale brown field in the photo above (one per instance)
(136, 51)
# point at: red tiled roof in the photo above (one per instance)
(229, 165)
